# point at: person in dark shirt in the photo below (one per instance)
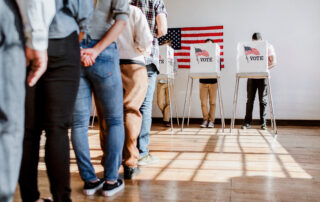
(208, 88)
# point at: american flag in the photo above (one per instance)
(182, 38)
(248, 50)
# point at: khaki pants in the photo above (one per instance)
(211, 90)
(163, 99)
(135, 85)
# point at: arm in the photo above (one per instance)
(271, 63)
(120, 13)
(161, 18)
(107, 39)
(143, 37)
(272, 60)
(162, 25)
(37, 16)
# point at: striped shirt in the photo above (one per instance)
(152, 8)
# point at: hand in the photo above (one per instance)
(88, 56)
(38, 64)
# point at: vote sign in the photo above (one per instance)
(252, 57)
(204, 58)
(166, 59)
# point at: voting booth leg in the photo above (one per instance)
(175, 104)
(221, 105)
(235, 100)
(190, 99)
(185, 103)
(94, 115)
(170, 103)
(273, 119)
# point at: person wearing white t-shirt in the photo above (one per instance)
(261, 85)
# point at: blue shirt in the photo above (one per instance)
(70, 18)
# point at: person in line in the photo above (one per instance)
(50, 103)
(261, 85)
(101, 74)
(133, 43)
(208, 88)
(163, 93)
(14, 52)
(156, 14)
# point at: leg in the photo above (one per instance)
(103, 131)
(161, 98)
(79, 132)
(60, 85)
(263, 97)
(12, 71)
(166, 115)
(107, 85)
(28, 179)
(204, 91)
(146, 111)
(135, 85)
(251, 93)
(212, 101)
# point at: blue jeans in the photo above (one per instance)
(104, 79)
(146, 111)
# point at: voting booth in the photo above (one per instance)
(166, 73)
(166, 60)
(204, 64)
(204, 58)
(252, 57)
(252, 63)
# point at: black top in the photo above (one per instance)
(208, 81)
(129, 62)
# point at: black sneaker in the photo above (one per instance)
(130, 173)
(245, 126)
(111, 189)
(263, 127)
(91, 188)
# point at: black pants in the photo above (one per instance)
(49, 107)
(252, 86)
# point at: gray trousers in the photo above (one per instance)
(12, 97)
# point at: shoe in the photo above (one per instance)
(245, 126)
(130, 173)
(204, 124)
(210, 125)
(167, 123)
(91, 188)
(263, 127)
(147, 160)
(111, 189)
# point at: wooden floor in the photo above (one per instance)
(207, 165)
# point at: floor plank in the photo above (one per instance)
(208, 165)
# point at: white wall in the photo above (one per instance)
(292, 26)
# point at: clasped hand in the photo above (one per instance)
(88, 56)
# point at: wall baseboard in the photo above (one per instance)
(280, 122)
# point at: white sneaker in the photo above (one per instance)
(147, 160)
(211, 125)
(204, 124)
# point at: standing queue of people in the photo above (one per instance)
(74, 48)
